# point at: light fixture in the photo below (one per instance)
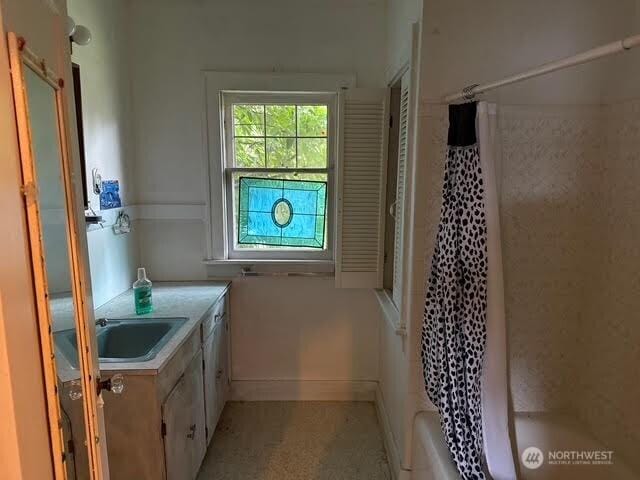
(71, 26)
(81, 35)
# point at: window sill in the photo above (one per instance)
(269, 267)
(391, 313)
(264, 261)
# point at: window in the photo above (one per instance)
(279, 153)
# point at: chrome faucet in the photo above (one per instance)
(101, 322)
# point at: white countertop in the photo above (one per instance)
(190, 300)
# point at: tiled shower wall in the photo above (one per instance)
(569, 177)
(550, 158)
(607, 399)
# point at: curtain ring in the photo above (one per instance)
(468, 92)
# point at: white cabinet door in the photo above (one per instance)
(210, 348)
(184, 421)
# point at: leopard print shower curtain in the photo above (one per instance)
(454, 329)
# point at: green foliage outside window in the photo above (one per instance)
(280, 136)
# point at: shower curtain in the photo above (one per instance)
(464, 303)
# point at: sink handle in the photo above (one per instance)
(75, 389)
(115, 384)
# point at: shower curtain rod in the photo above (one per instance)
(470, 92)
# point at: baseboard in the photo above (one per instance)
(302, 390)
(389, 440)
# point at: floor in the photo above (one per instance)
(297, 440)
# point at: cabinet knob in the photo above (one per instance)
(192, 435)
(115, 384)
(219, 374)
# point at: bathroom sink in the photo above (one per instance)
(124, 339)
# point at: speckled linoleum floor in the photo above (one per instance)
(297, 441)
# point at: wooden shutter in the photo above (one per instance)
(364, 120)
(403, 148)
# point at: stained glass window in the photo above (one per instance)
(279, 212)
(279, 152)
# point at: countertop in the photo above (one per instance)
(190, 300)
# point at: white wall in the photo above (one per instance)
(108, 137)
(400, 15)
(172, 42)
(469, 42)
(290, 329)
(609, 335)
(300, 329)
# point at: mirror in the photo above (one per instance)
(52, 199)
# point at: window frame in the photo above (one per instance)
(230, 97)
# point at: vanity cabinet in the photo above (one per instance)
(183, 424)
(161, 424)
(215, 367)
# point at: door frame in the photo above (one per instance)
(20, 56)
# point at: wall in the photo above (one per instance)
(554, 157)
(496, 38)
(400, 15)
(551, 162)
(607, 392)
(315, 334)
(609, 339)
(274, 319)
(108, 137)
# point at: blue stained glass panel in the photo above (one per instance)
(286, 213)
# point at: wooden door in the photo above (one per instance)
(57, 250)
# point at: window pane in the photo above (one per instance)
(248, 120)
(281, 152)
(312, 120)
(264, 223)
(312, 153)
(281, 120)
(249, 152)
(280, 212)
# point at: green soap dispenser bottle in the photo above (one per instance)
(142, 293)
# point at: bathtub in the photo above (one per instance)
(549, 433)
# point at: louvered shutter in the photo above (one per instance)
(403, 147)
(364, 120)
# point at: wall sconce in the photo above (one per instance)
(78, 33)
